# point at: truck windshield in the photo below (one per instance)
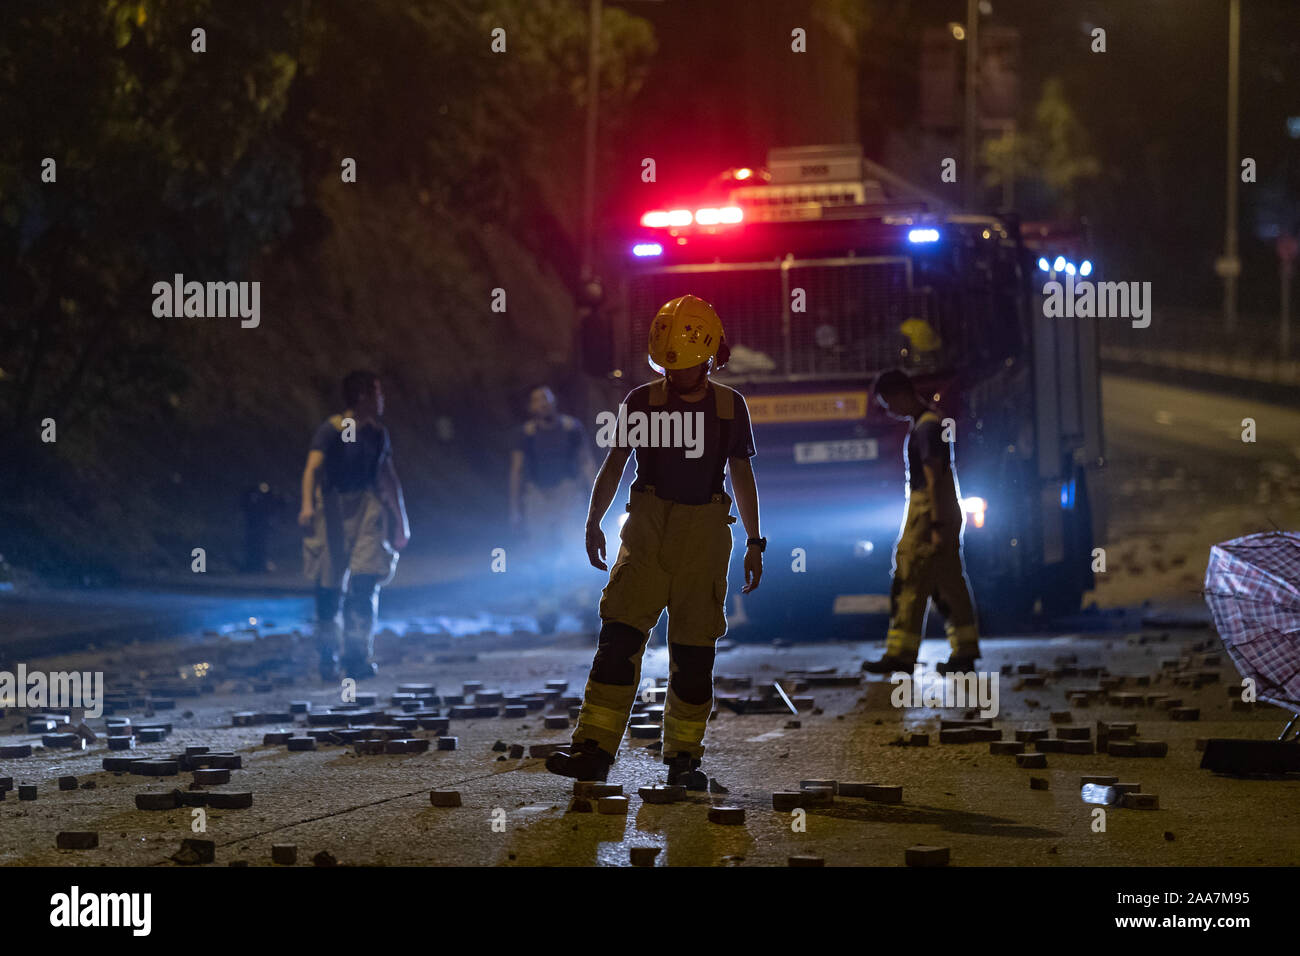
(860, 315)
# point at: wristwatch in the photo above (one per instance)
(760, 543)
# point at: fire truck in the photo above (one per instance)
(827, 269)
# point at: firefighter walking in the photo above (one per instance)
(675, 550)
(353, 509)
(927, 559)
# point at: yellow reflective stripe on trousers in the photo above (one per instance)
(898, 643)
(689, 730)
(606, 718)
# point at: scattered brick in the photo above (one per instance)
(76, 840)
(545, 750)
(1184, 713)
(643, 855)
(286, 854)
(1033, 734)
(1050, 745)
(806, 861)
(1074, 732)
(230, 799)
(881, 793)
(789, 799)
(211, 776)
(154, 768)
(918, 740)
(1038, 783)
(445, 798)
(516, 751)
(560, 722)
(67, 783)
(960, 735)
(1037, 761)
(1141, 801)
(727, 816)
(579, 805)
(662, 795)
(195, 851)
(611, 805)
(1127, 787)
(1078, 747)
(324, 858)
(301, 743)
(921, 855)
(276, 738)
(448, 743)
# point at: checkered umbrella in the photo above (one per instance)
(1252, 585)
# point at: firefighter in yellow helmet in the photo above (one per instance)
(675, 545)
(927, 558)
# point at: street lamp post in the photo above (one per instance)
(593, 103)
(1230, 265)
(972, 101)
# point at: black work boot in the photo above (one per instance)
(684, 771)
(358, 668)
(584, 761)
(889, 664)
(957, 664)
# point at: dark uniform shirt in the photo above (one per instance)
(691, 481)
(354, 465)
(925, 443)
(550, 453)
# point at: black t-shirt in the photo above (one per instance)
(925, 442)
(550, 452)
(691, 479)
(351, 465)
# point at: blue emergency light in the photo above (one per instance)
(643, 249)
(923, 235)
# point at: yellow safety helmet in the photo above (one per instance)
(687, 332)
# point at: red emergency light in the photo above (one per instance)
(707, 216)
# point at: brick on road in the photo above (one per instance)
(1141, 801)
(229, 799)
(67, 783)
(286, 854)
(1038, 783)
(157, 801)
(211, 776)
(921, 855)
(445, 798)
(612, 805)
(27, 791)
(1099, 780)
(296, 744)
(1035, 761)
(727, 816)
(643, 855)
(662, 795)
(76, 840)
(448, 743)
(1007, 748)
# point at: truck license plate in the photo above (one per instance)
(819, 452)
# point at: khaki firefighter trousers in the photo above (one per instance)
(924, 572)
(348, 547)
(675, 557)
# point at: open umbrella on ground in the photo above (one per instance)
(1252, 586)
